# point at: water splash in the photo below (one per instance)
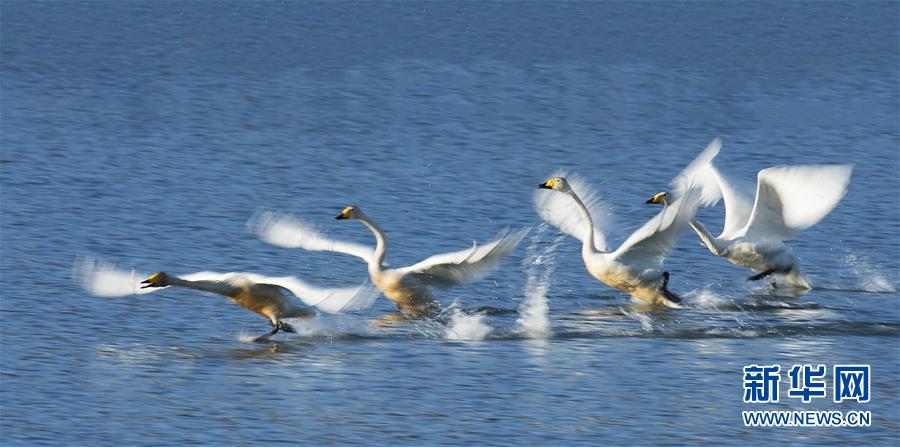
(539, 265)
(645, 320)
(469, 327)
(707, 299)
(870, 276)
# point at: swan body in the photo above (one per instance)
(788, 199)
(635, 267)
(269, 297)
(409, 288)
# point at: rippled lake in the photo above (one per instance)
(146, 134)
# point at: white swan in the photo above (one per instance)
(635, 267)
(788, 199)
(407, 287)
(266, 296)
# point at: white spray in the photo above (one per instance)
(539, 265)
(463, 326)
(870, 276)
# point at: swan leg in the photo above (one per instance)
(664, 289)
(279, 326)
(761, 275)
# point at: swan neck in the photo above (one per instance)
(587, 245)
(219, 287)
(375, 263)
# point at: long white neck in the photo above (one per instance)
(587, 245)
(219, 287)
(708, 239)
(380, 245)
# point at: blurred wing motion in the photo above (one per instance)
(793, 198)
(102, 279)
(697, 175)
(562, 212)
(327, 300)
(288, 231)
(703, 175)
(448, 269)
(649, 244)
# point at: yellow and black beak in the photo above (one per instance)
(548, 184)
(151, 281)
(345, 214)
(658, 199)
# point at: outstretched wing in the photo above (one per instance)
(793, 198)
(329, 300)
(102, 279)
(562, 212)
(447, 269)
(697, 175)
(287, 231)
(649, 244)
(705, 177)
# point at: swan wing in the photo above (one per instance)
(287, 231)
(793, 198)
(328, 300)
(697, 175)
(648, 245)
(703, 175)
(447, 269)
(562, 212)
(102, 279)
(737, 205)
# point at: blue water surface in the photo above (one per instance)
(146, 134)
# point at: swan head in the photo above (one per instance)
(159, 279)
(557, 184)
(350, 212)
(661, 198)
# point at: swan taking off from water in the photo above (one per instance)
(266, 296)
(407, 287)
(635, 267)
(789, 199)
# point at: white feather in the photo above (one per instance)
(697, 175)
(287, 231)
(102, 279)
(447, 269)
(738, 205)
(648, 245)
(561, 212)
(793, 198)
